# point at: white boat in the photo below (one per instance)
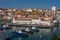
(27, 29)
(33, 27)
(19, 31)
(4, 26)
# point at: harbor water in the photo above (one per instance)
(43, 34)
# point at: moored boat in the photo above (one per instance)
(34, 29)
(20, 34)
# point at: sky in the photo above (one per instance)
(41, 4)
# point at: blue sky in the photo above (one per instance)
(42, 4)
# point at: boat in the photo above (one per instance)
(5, 27)
(20, 34)
(34, 29)
(28, 31)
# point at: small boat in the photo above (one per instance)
(20, 34)
(34, 29)
(28, 31)
(4, 27)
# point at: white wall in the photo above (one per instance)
(35, 21)
(23, 22)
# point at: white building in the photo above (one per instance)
(31, 21)
(29, 10)
(35, 21)
(22, 21)
(53, 8)
(9, 17)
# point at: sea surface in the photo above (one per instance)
(43, 34)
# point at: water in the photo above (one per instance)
(58, 31)
(43, 34)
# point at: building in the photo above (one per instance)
(22, 21)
